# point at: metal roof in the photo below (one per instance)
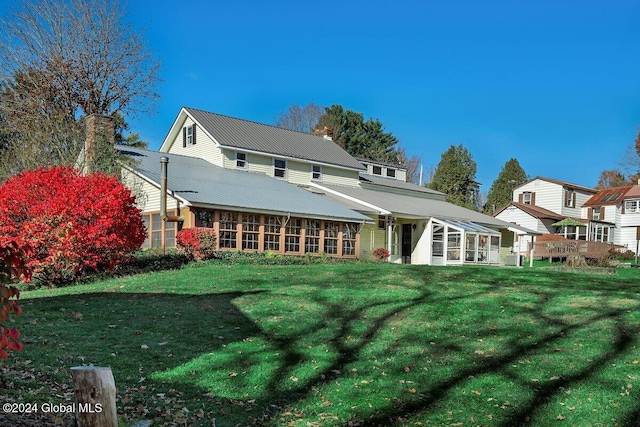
(406, 206)
(201, 183)
(397, 184)
(252, 136)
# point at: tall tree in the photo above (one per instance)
(300, 119)
(412, 164)
(455, 176)
(360, 138)
(611, 178)
(501, 191)
(60, 60)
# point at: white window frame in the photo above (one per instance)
(241, 163)
(526, 197)
(632, 206)
(374, 168)
(279, 171)
(189, 135)
(595, 213)
(316, 172)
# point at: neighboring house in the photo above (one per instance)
(614, 216)
(263, 188)
(607, 215)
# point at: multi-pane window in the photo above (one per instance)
(596, 213)
(526, 197)
(156, 231)
(391, 173)
(331, 230)
(632, 206)
(204, 219)
(147, 241)
(241, 160)
(437, 243)
(349, 233)
(272, 226)
(569, 198)
(453, 246)
(190, 140)
(312, 236)
(154, 224)
(316, 172)
(292, 235)
(377, 170)
(250, 231)
(279, 168)
(382, 222)
(228, 229)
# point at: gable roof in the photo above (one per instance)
(611, 196)
(533, 210)
(562, 183)
(200, 183)
(241, 134)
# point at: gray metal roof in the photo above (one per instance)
(201, 183)
(248, 135)
(397, 184)
(409, 206)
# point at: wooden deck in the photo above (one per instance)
(561, 249)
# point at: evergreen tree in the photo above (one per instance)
(455, 176)
(501, 191)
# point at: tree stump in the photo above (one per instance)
(576, 261)
(95, 392)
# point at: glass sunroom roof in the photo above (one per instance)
(467, 226)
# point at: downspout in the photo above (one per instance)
(389, 235)
(164, 161)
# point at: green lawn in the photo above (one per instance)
(342, 344)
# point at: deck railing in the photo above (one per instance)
(573, 247)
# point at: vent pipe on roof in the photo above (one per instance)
(164, 161)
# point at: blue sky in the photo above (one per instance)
(554, 84)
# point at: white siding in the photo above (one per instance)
(626, 236)
(204, 147)
(548, 194)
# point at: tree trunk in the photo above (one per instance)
(95, 392)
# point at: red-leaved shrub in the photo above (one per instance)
(380, 254)
(198, 243)
(12, 268)
(74, 223)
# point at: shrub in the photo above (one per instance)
(380, 254)
(12, 267)
(75, 223)
(198, 243)
(619, 255)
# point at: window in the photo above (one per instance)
(156, 231)
(377, 170)
(349, 232)
(272, 226)
(241, 160)
(279, 168)
(596, 213)
(331, 237)
(632, 206)
(228, 229)
(437, 248)
(316, 172)
(382, 222)
(526, 198)
(312, 238)
(147, 242)
(391, 173)
(189, 135)
(453, 246)
(250, 231)
(204, 219)
(154, 224)
(292, 235)
(470, 247)
(569, 198)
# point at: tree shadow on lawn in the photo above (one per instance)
(359, 352)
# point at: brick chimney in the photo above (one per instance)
(98, 130)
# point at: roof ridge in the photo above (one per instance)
(251, 121)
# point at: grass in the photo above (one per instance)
(342, 344)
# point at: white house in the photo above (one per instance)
(263, 188)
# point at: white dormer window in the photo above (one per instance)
(526, 197)
(316, 172)
(377, 170)
(632, 206)
(279, 168)
(241, 160)
(391, 173)
(189, 135)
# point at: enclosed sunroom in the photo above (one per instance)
(462, 242)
